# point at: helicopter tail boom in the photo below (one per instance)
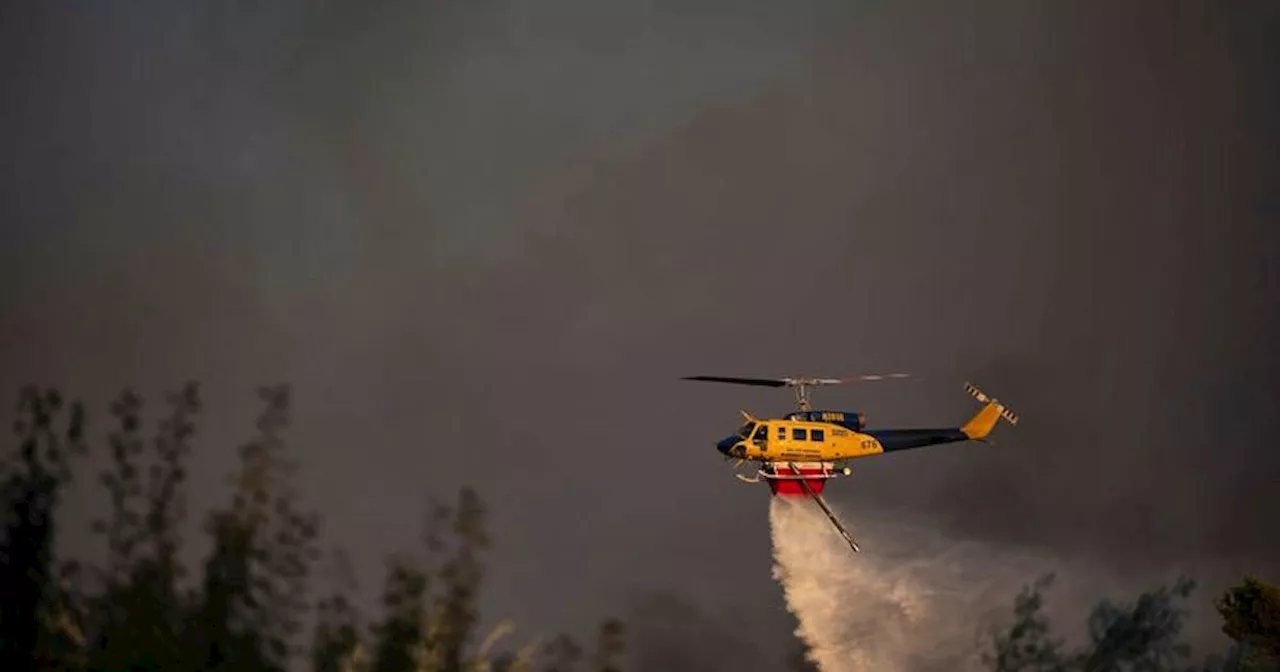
(978, 428)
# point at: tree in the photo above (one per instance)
(139, 610)
(34, 616)
(1251, 617)
(460, 578)
(1027, 646)
(136, 615)
(403, 635)
(429, 605)
(1140, 636)
(255, 581)
(336, 638)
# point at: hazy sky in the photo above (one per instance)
(483, 240)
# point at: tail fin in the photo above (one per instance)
(981, 424)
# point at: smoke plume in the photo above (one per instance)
(912, 600)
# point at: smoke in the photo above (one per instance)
(912, 600)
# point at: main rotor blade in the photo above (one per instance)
(797, 382)
(873, 376)
(863, 378)
(763, 382)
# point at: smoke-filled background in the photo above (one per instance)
(483, 239)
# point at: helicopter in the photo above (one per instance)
(799, 452)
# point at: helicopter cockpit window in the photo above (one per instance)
(745, 430)
(762, 434)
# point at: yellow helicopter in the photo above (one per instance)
(799, 452)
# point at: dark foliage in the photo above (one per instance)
(141, 609)
(1027, 645)
(1141, 636)
(34, 622)
(1251, 613)
(245, 609)
(1251, 616)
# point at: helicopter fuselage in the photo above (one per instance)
(826, 436)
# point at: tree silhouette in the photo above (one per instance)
(403, 636)
(1251, 617)
(1027, 645)
(336, 638)
(460, 576)
(35, 621)
(255, 582)
(1140, 636)
(140, 610)
(1143, 635)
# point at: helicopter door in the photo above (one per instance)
(761, 435)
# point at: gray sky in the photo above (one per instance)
(483, 241)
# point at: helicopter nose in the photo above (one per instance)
(726, 444)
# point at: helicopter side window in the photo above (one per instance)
(797, 434)
(817, 435)
(782, 433)
(762, 434)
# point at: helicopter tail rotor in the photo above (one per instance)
(980, 425)
(1008, 415)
